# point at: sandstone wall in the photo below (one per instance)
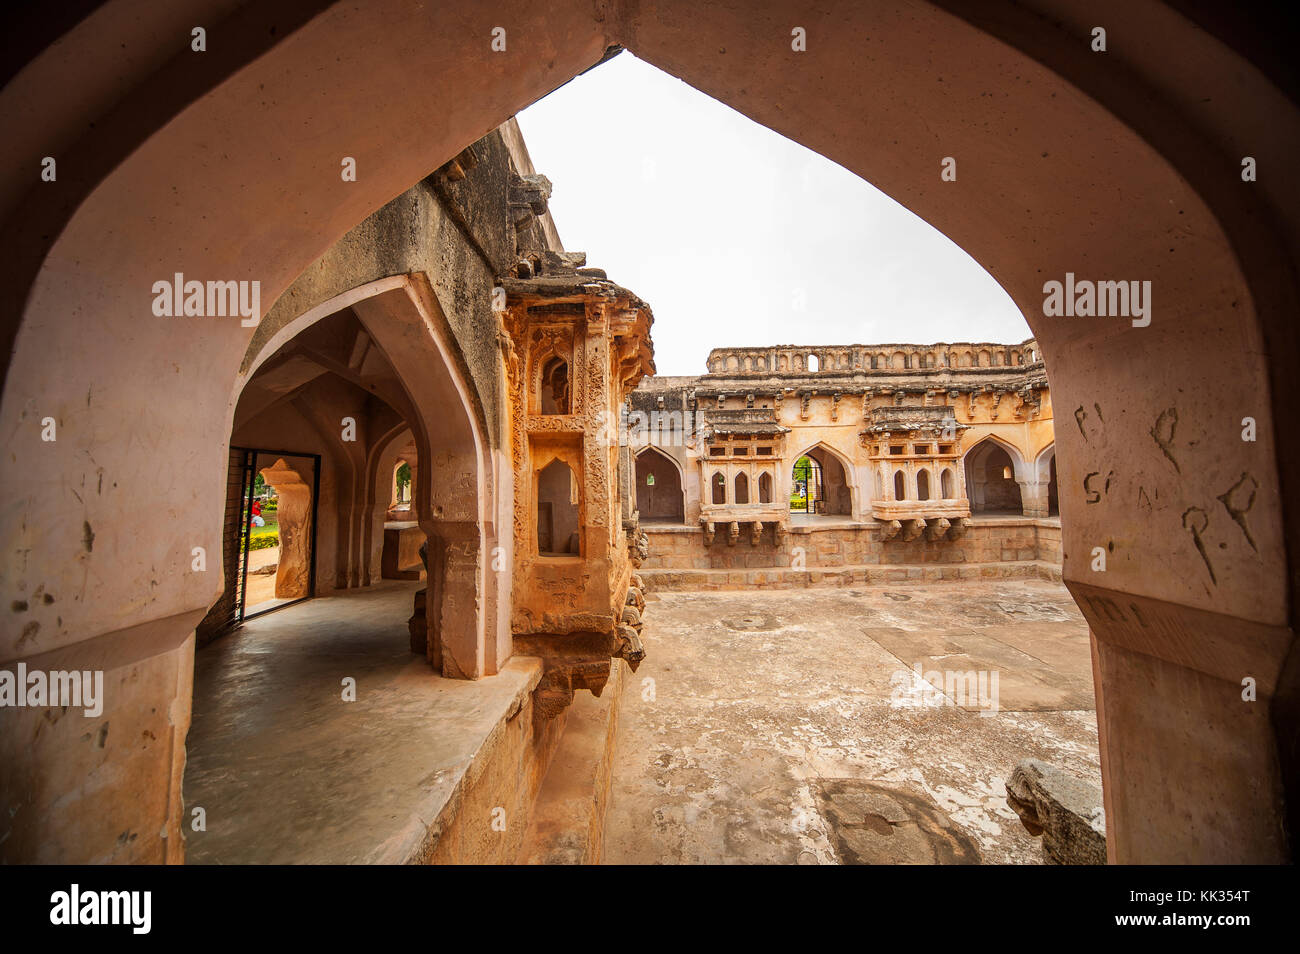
(993, 548)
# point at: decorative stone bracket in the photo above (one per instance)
(934, 528)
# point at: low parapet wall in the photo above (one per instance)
(839, 553)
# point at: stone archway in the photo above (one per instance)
(659, 494)
(993, 474)
(1185, 609)
(835, 479)
(452, 495)
(1042, 480)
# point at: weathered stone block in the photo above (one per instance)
(1066, 811)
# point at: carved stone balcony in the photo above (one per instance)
(747, 422)
(912, 418)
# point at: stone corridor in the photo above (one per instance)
(760, 727)
(287, 772)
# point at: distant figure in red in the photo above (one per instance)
(258, 519)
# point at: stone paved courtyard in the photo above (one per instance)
(774, 727)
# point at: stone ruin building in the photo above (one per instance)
(382, 344)
(938, 456)
(576, 345)
(449, 337)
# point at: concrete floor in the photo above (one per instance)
(287, 772)
(772, 727)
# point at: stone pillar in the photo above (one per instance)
(1168, 680)
(455, 646)
(1033, 497)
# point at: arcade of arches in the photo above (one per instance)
(867, 452)
(384, 313)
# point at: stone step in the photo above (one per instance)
(790, 578)
(567, 825)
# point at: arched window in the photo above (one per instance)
(554, 397)
(900, 486)
(923, 485)
(813, 363)
(557, 511)
(948, 484)
(719, 488)
(401, 486)
(742, 489)
(764, 487)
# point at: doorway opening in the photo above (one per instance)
(991, 480)
(275, 537)
(658, 488)
(806, 491)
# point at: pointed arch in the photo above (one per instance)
(1043, 459)
(740, 493)
(1238, 260)
(454, 493)
(660, 486)
(994, 468)
(1017, 456)
(923, 484)
(1044, 470)
(839, 489)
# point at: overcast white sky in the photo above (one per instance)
(737, 236)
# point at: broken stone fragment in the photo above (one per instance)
(1065, 810)
(533, 191)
